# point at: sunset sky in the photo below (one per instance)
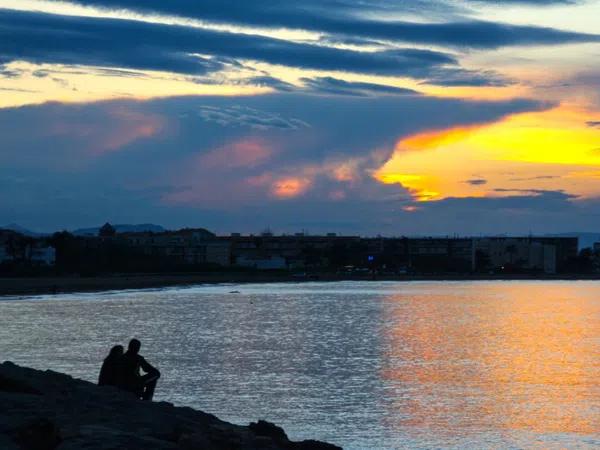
(392, 117)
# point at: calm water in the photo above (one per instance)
(364, 365)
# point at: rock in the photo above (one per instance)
(7, 443)
(52, 411)
(103, 438)
(315, 445)
(39, 434)
(195, 441)
(12, 385)
(264, 428)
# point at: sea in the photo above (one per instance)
(364, 365)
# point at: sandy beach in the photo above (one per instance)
(56, 285)
(22, 286)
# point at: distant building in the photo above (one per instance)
(441, 254)
(4, 255)
(40, 255)
(13, 246)
(547, 255)
(269, 263)
(187, 246)
(298, 251)
(419, 255)
(567, 249)
(192, 248)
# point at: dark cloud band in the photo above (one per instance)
(345, 18)
(47, 38)
(330, 85)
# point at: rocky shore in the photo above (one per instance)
(46, 410)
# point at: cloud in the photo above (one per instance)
(459, 77)
(124, 127)
(29, 91)
(112, 46)
(79, 133)
(557, 194)
(272, 82)
(249, 117)
(347, 18)
(5, 72)
(290, 187)
(161, 161)
(525, 212)
(350, 40)
(476, 182)
(539, 177)
(320, 127)
(247, 152)
(47, 38)
(526, 200)
(330, 85)
(593, 124)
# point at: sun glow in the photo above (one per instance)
(550, 150)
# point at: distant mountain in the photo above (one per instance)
(22, 230)
(123, 228)
(586, 239)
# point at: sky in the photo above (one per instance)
(370, 117)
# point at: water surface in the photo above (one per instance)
(361, 364)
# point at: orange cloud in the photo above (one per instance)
(346, 172)
(290, 187)
(130, 127)
(246, 152)
(120, 128)
(436, 138)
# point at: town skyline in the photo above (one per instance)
(110, 249)
(154, 228)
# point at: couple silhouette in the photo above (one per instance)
(122, 369)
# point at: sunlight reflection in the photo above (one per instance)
(521, 358)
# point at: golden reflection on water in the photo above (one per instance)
(522, 357)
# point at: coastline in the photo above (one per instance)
(46, 410)
(25, 286)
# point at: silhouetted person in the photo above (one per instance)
(129, 372)
(109, 373)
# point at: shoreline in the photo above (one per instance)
(44, 410)
(25, 286)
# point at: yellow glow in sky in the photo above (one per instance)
(551, 150)
(86, 84)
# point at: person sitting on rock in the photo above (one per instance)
(130, 378)
(109, 372)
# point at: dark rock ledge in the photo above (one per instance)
(52, 411)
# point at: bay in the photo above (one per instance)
(510, 364)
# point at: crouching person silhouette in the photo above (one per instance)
(131, 380)
(109, 373)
